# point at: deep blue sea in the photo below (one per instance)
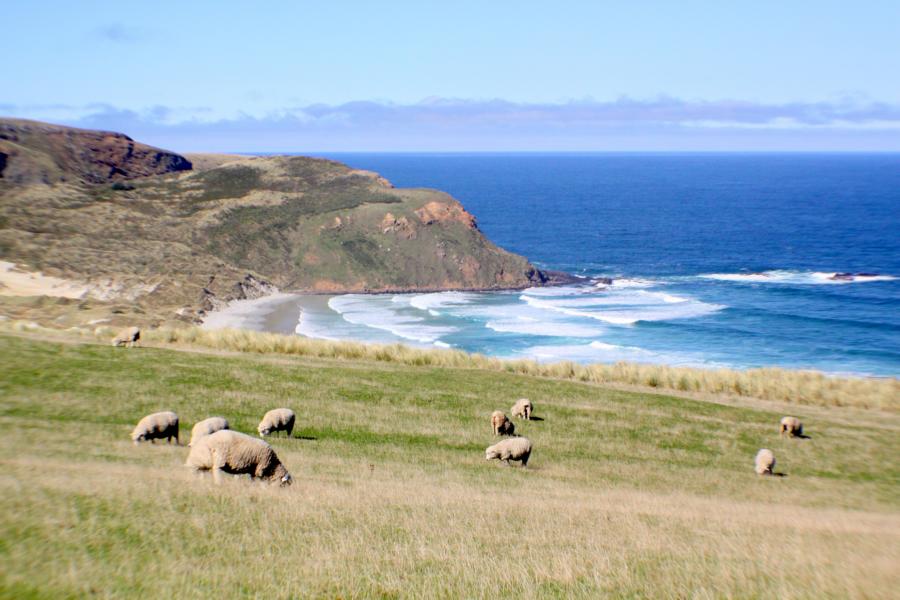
(716, 259)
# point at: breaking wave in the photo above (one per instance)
(799, 277)
(376, 313)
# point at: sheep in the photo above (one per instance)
(277, 419)
(522, 408)
(517, 448)
(500, 424)
(127, 337)
(206, 427)
(791, 426)
(228, 451)
(765, 462)
(156, 427)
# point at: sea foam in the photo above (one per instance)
(625, 308)
(796, 277)
(376, 313)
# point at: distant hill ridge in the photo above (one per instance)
(35, 152)
(132, 221)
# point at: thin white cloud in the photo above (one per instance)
(460, 124)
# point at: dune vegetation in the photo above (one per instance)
(807, 388)
(627, 494)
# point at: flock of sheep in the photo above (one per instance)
(215, 447)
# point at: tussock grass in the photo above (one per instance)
(627, 494)
(809, 388)
(799, 387)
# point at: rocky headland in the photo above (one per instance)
(150, 238)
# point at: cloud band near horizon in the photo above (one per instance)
(437, 124)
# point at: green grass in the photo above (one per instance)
(627, 494)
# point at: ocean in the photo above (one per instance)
(715, 260)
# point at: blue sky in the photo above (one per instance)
(503, 75)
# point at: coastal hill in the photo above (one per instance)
(121, 221)
(34, 152)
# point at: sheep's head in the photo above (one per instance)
(281, 475)
(491, 454)
(138, 437)
(264, 430)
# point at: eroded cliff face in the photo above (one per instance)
(192, 239)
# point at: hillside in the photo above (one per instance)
(627, 494)
(35, 152)
(180, 241)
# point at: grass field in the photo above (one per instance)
(628, 494)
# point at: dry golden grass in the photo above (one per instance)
(798, 387)
(627, 494)
(397, 532)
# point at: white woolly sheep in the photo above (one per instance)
(127, 337)
(522, 408)
(156, 427)
(765, 462)
(517, 448)
(228, 451)
(208, 426)
(791, 426)
(277, 419)
(500, 424)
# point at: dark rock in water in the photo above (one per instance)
(539, 277)
(604, 280)
(850, 276)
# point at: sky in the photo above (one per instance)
(462, 76)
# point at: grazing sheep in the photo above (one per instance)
(277, 419)
(156, 427)
(791, 426)
(500, 424)
(522, 408)
(208, 426)
(765, 462)
(237, 453)
(127, 337)
(517, 448)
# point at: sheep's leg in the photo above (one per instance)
(218, 467)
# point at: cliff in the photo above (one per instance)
(133, 223)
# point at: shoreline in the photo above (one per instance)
(283, 312)
(555, 279)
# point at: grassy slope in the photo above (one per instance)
(298, 222)
(628, 494)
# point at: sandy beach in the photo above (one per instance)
(278, 313)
